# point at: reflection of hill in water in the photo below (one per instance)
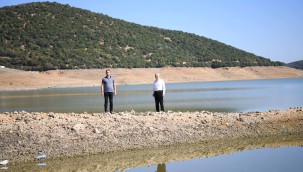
(129, 159)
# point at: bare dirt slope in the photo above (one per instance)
(11, 79)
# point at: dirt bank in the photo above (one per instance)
(24, 135)
(11, 79)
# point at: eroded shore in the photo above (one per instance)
(23, 135)
(12, 79)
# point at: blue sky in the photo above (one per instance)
(269, 28)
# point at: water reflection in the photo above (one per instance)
(158, 158)
(161, 167)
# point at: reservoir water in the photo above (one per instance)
(277, 154)
(282, 159)
(227, 96)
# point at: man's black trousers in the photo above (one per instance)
(108, 95)
(159, 100)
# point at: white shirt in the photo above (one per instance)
(159, 85)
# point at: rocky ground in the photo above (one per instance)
(24, 135)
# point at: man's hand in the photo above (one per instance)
(102, 94)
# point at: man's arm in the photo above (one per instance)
(102, 89)
(115, 89)
(164, 89)
(153, 90)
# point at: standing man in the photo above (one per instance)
(159, 92)
(108, 90)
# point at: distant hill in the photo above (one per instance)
(44, 36)
(296, 64)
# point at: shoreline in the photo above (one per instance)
(130, 84)
(17, 80)
(124, 160)
(59, 135)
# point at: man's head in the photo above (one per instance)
(107, 72)
(157, 76)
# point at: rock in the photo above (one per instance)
(78, 127)
(18, 118)
(204, 121)
(51, 115)
(104, 133)
(95, 130)
(240, 119)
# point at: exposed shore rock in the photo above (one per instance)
(23, 135)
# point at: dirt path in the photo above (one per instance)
(11, 79)
(23, 135)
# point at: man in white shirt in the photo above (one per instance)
(159, 92)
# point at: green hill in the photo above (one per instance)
(44, 36)
(296, 64)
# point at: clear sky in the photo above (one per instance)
(269, 28)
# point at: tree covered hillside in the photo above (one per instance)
(44, 36)
(296, 64)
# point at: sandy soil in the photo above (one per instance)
(11, 79)
(24, 135)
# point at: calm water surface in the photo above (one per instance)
(284, 159)
(227, 96)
